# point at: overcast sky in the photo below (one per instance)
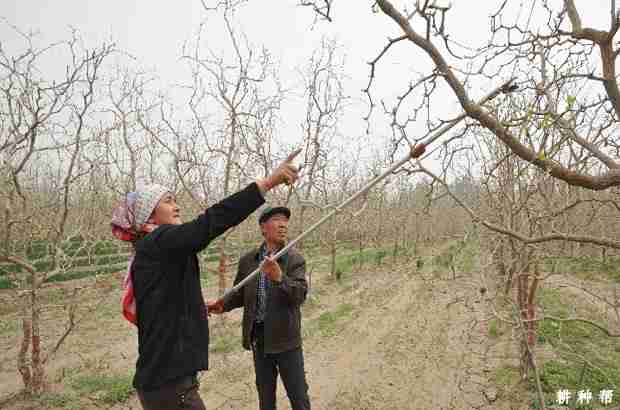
(155, 31)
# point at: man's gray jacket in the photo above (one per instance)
(282, 323)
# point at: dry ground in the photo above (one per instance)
(386, 337)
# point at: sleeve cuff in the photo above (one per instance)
(254, 187)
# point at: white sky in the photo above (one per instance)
(154, 32)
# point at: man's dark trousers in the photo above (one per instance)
(290, 364)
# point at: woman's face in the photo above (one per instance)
(167, 211)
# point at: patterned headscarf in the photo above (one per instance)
(129, 218)
(146, 202)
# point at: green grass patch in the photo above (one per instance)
(459, 255)
(508, 376)
(557, 375)
(45, 265)
(510, 389)
(107, 388)
(327, 323)
(586, 357)
(6, 283)
(467, 257)
(446, 258)
(350, 262)
(102, 257)
(553, 302)
(494, 329)
(79, 274)
(59, 400)
(586, 267)
(313, 302)
(573, 341)
(8, 326)
(225, 343)
(72, 247)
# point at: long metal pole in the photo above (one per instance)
(415, 153)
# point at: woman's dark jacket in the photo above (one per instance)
(173, 329)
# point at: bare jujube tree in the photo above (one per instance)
(46, 127)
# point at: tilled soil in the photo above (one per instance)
(387, 337)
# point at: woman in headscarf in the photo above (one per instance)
(163, 296)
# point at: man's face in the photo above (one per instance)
(275, 229)
(167, 211)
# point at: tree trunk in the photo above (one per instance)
(300, 221)
(521, 302)
(22, 357)
(332, 248)
(221, 269)
(361, 248)
(38, 371)
(525, 298)
(32, 371)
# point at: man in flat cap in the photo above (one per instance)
(271, 312)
